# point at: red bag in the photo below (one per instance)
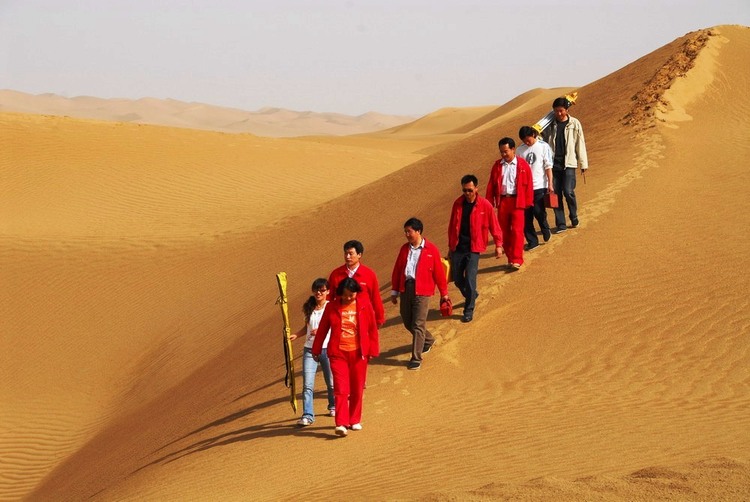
(551, 200)
(446, 308)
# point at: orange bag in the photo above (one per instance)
(551, 200)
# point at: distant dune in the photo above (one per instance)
(141, 341)
(271, 122)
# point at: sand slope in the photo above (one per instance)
(67, 178)
(613, 367)
(94, 214)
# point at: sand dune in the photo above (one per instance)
(143, 342)
(268, 122)
(442, 121)
(165, 183)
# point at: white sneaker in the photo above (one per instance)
(331, 413)
(356, 427)
(304, 422)
(341, 430)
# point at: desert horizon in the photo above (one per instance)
(267, 121)
(143, 352)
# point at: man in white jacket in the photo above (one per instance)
(565, 137)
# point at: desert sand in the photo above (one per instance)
(268, 122)
(141, 341)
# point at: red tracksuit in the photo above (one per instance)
(349, 368)
(367, 279)
(511, 210)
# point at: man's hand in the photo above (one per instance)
(498, 252)
(394, 299)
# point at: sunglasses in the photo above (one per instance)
(468, 190)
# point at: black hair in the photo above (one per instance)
(349, 284)
(470, 178)
(358, 247)
(311, 303)
(527, 131)
(415, 224)
(561, 102)
(506, 141)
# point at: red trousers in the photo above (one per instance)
(349, 373)
(512, 221)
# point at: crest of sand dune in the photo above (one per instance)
(144, 362)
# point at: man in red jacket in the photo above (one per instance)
(418, 269)
(471, 217)
(511, 190)
(365, 276)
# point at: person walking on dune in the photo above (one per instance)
(472, 217)
(418, 269)
(565, 137)
(511, 190)
(364, 276)
(313, 310)
(538, 155)
(353, 342)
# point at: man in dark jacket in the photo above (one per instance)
(472, 217)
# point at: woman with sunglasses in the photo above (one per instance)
(313, 309)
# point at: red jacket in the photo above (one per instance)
(367, 279)
(483, 219)
(369, 342)
(524, 184)
(429, 271)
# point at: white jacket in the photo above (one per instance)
(575, 146)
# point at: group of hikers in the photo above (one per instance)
(347, 307)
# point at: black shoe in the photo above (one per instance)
(529, 247)
(546, 234)
(574, 223)
(467, 317)
(426, 348)
(560, 230)
(414, 365)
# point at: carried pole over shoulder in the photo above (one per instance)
(547, 119)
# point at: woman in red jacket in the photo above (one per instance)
(353, 341)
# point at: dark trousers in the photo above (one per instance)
(464, 266)
(564, 184)
(414, 311)
(538, 212)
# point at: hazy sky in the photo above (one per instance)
(350, 56)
